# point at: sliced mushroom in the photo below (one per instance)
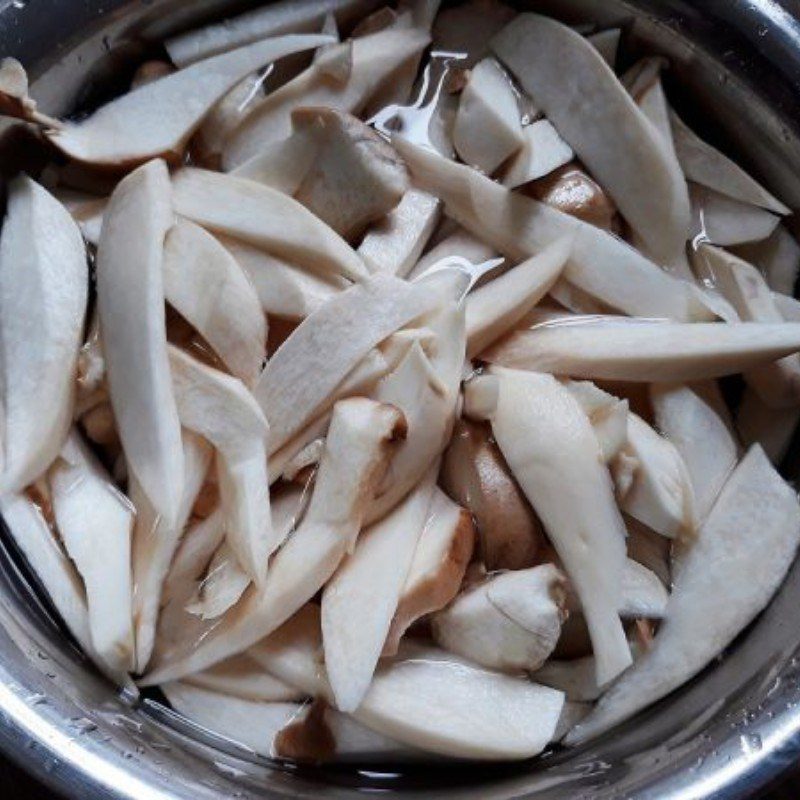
(468, 27)
(359, 601)
(749, 540)
(722, 221)
(242, 676)
(443, 552)
(542, 152)
(43, 293)
(778, 258)
(211, 291)
(608, 415)
(265, 218)
(553, 452)
(575, 677)
(582, 97)
(224, 583)
(772, 428)
(130, 302)
(14, 98)
(459, 245)
(95, 521)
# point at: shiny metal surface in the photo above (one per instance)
(736, 65)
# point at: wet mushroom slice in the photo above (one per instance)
(441, 557)
(242, 676)
(359, 444)
(510, 622)
(43, 295)
(608, 415)
(542, 152)
(211, 291)
(722, 221)
(583, 98)
(14, 98)
(224, 583)
(158, 118)
(749, 540)
(458, 245)
(552, 451)
(95, 522)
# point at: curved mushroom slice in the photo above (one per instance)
(95, 521)
(778, 258)
(265, 218)
(476, 476)
(158, 118)
(542, 152)
(553, 452)
(497, 307)
(749, 540)
(155, 541)
(328, 345)
(659, 492)
(130, 304)
(607, 44)
(43, 292)
(705, 165)
(375, 60)
(224, 583)
(487, 128)
(359, 601)
(357, 450)
(608, 415)
(211, 292)
(481, 714)
(393, 245)
(719, 220)
(242, 676)
(643, 82)
(219, 408)
(646, 350)
(443, 551)
(701, 437)
(519, 227)
(14, 98)
(510, 622)
(772, 428)
(584, 99)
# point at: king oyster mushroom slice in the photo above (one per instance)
(441, 557)
(155, 541)
(14, 98)
(772, 428)
(394, 244)
(329, 344)
(359, 601)
(497, 307)
(95, 521)
(86, 209)
(130, 302)
(476, 476)
(158, 118)
(357, 450)
(459, 245)
(608, 415)
(487, 128)
(778, 258)
(542, 151)
(265, 218)
(607, 44)
(43, 292)
(722, 221)
(552, 451)
(583, 98)
(375, 60)
(645, 350)
(753, 530)
(219, 408)
(224, 583)
(702, 438)
(242, 676)
(211, 291)
(481, 714)
(510, 622)
(707, 166)
(519, 227)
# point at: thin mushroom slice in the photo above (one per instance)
(265, 218)
(510, 622)
(520, 227)
(359, 601)
(224, 583)
(719, 220)
(219, 408)
(772, 428)
(443, 552)
(778, 258)
(542, 152)
(357, 450)
(646, 350)
(14, 98)
(375, 60)
(483, 715)
(553, 452)
(130, 303)
(242, 676)
(588, 105)
(212, 292)
(707, 166)
(158, 118)
(43, 293)
(749, 540)
(459, 245)
(95, 521)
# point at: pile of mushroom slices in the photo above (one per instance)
(395, 429)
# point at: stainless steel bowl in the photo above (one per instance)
(736, 67)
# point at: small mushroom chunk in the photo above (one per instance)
(542, 152)
(510, 622)
(475, 475)
(608, 415)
